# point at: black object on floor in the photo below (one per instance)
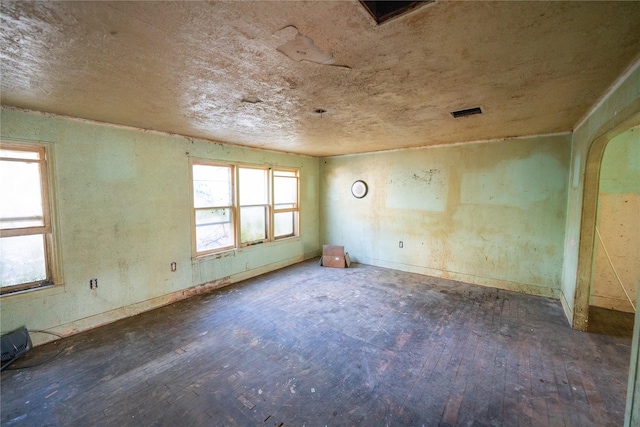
(13, 345)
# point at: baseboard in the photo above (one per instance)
(111, 316)
(467, 278)
(617, 304)
(568, 310)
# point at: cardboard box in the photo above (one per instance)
(334, 256)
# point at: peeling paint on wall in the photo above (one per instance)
(123, 204)
(491, 214)
(419, 189)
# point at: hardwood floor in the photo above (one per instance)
(316, 346)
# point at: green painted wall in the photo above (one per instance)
(491, 214)
(618, 111)
(620, 105)
(620, 170)
(122, 198)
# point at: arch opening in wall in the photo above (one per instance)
(589, 222)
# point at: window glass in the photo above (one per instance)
(253, 223)
(21, 193)
(253, 186)
(22, 260)
(25, 231)
(211, 186)
(283, 224)
(285, 190)
(214, 229)
(213, 207)
(285, 203)
(20, 154)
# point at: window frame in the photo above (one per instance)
(266, 205)
(236, 207)
(46, 230)
(232, 207)
(295, 210)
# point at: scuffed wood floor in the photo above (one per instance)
(314, 346)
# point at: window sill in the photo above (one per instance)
(249, 248)
(33, 293)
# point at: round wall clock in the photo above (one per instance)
(359, 189)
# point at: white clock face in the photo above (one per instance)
(359, 189)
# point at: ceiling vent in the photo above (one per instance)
(466, 112)
(383, 11)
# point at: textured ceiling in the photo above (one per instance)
(214, 70)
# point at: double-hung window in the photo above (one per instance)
(254, 204)
(285, 203)
(214, 210)
(26, 242)
(239, 205)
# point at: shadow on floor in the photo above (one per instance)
(610, 322)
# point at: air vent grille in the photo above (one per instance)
(466, 112)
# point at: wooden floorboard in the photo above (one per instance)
(314, 346)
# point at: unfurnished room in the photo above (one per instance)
(320, 213)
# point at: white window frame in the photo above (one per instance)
(236, 206)
(46, 230)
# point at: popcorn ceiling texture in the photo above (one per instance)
(186, 67)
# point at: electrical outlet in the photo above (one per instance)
(174, 266)
(400, 245)
(93, 284)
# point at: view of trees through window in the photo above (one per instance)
(213, 203)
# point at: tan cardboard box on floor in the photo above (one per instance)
(335, 256)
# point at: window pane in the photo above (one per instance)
(18, 154)
(214, 229)
(211, 186)
(22, 260)
(21, 195)
(283, 224)
(253, 186)
(285, 189)
(253, 223)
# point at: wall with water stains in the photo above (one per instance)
(618, 110)
(617, 248)
(122, 199)
(489, 213)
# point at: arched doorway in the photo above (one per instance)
(589, 219)
(616, 272)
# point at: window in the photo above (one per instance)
(262, 207)
(26, 245)
(254, 205)
(285, 203)
(214, 207)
